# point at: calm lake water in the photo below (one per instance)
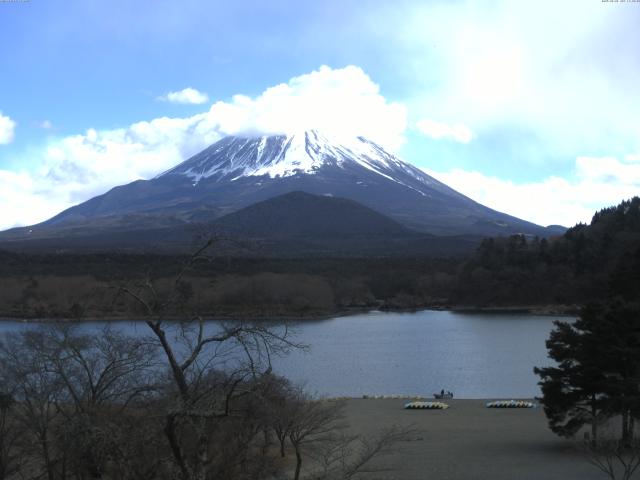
(473, 355)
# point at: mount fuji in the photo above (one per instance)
(239, 171)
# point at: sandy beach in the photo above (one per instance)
(470, 441)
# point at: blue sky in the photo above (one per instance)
(528, 107)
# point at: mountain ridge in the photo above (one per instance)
(236, 172)
(292, 225)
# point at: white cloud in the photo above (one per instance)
(609, 170)
(7, 129)
(81, 166)
(598, 183)
(437, 130)
(23, 202)
(78, 167)
(342, 101)
(188, 95)
(564, 73)
(46, 125)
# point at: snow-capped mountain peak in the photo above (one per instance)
(282, 156)
(239, 171)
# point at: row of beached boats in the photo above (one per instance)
(422, 405)
(426, 406)
(510, 404)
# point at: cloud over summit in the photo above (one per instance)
(343, 101)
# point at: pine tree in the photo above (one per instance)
(598, 370)
(572, 391)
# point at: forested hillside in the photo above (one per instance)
(587, 262)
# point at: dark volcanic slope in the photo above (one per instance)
(299, 214)
(302, 224)
(291, 225)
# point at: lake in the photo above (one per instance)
(475, 355)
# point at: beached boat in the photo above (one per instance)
(426, 406)
(510, 404)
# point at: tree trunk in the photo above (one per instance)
(63, 468)
(203, 450)
(47, 458)
(178, 374)
(298, 463)
(625, 427)
(267, 441)
(170, 432)
(282, 452)
(594, 422)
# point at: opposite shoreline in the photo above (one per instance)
(541, 310)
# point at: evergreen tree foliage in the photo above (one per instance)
(597, 372)
(589, 262)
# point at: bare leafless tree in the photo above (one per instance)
(70, 388)
(317, 431)
(37, 392)
(102, 368)
(11, 456)
(616, 459)
(210, 367)
(348, 456)
(279, 401)
(312, 422)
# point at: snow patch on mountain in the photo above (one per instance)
(287, 155)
